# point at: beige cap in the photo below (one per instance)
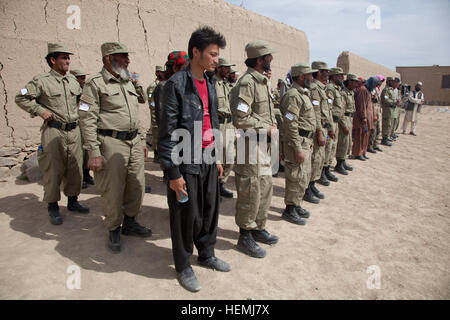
(299, 69)
(397, 79)
(233, 70)
(319, 65)
(78, 72)
(57, 47)
(389, 79)
(336, 71)
(113, 48)
(159, 68)
(352, 76)
(223, 62)
(419, 83)
(258, 48)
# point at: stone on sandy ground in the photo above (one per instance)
(8, 161)
(6, 152)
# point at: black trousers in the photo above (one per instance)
(195, 222)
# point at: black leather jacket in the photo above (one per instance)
(181, 106)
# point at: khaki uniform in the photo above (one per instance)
(226, 124)
(252, 108)
(61, 157)
(299, 117)
(344, 147)
(153, 122)
(396, 114)
(388, 105)
(108, 103)
(324, 119)
(375, 133)
(337, 111)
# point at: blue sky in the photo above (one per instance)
(412, 33)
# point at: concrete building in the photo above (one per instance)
(435, 79)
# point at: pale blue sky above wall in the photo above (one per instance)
(412, 33)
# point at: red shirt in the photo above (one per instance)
(207, 134)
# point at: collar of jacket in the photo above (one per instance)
(208, 80)
(257, 75)
(319, 84)
(59, 77)
(108, 76)
(218, 80)
(300, 89)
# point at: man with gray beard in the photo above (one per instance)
(109, 115)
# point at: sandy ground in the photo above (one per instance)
(391, 212)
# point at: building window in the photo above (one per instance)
(446, 81)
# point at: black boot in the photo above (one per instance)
(291, 215)
(315, 191)
(309, 196)
(224, 192)
(247, 245)
(371, 150)
(87, 177)
(156, 158)
(329, 175)
(114, 240)
(148, 189)
(302, 213)
(264, 236)
(74, 205)
(53, 213)
(347, 167)
(131, 228)
(377, 148)
(339, 168)
(386, 142)
(323, 178)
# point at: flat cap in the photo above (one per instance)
(352, 76)
(113, 48)
(223, 62)
(57, 47)
(419, 83)
(159, 68)
(78, 72)
(233, 70)
(335, 71)
(299, 68)
(397, 79)
(258, 48)
(319, 65)
(389, 79)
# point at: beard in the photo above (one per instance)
(232, 79)
(266, 66)
(123, 73)
(307, 84)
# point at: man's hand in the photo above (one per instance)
(145, 152)
(178, 185)
(300, 157)
(346, 130)
(331, 134)
(320, 138)
(47, 115)
(220, 168)
(95, 164)
(272, 127)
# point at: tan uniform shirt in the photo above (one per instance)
(337, 106)
(223, 100)
(298, 113)
(53, 92)
(108, 103)
(321, 104)
(388, 99)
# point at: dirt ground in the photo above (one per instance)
(391, 213)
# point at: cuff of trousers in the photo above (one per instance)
(174, 173)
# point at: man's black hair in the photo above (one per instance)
(295, 78)
(53, 55)
(315, 74)
(203, 37)
(252, 62)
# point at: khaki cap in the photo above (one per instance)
(389, 79)
(223, 62)
(419, 83)
(113, 48)
(336, 71)
(352, 76)
(159, 68)
(233, 70)
(397, 79)
(57, 47)
(258, 48)
(78, 72)
(319, 65)
(299, 69)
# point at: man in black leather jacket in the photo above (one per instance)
(190, 110)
